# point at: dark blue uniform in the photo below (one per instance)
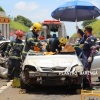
(53, 44)
(31, 40)
(87, 51)
(15, 47)
(80, 42)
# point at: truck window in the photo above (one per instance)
(54, 34)
(42, 33)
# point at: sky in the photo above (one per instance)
(39, 10)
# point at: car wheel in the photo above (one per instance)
(23, 85)
(99, 79)
(78, 91)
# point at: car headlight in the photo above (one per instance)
(79, 69)
(30, 68)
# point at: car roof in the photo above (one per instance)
(4, 41)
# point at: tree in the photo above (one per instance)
(23, 20)
(87, 22)
(1, 9)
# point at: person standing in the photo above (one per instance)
(14, 51)
(87, 54)
(32, 39)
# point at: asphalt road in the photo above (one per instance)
(39, 93)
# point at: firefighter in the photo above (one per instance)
(32, 39)
(55, 44)
(14, 51)
(87, 55)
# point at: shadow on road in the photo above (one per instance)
(52, 90)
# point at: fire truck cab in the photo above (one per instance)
(53, 28)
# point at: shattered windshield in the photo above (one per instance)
(31, 52)
(68, 49)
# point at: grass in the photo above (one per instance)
(18, 26)
(96, 29)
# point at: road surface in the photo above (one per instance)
(40, 93)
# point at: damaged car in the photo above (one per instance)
(3, 59)
(47, 68)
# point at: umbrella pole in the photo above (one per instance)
(76, 23)
(76, 26)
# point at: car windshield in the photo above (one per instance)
(66, 53)
(31, 52)
(68, 49)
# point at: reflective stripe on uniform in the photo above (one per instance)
(76, 46)
(81, 45)
(9, 44)
(86, 42)
(15, 57)
(6, 51)
(92, 40)
(48, 41)
(24, 52)
(36, 43)
(30, 39)
(14, 43)
(18, 44)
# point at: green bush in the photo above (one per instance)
(1, 9)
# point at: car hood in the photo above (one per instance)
(53, 61)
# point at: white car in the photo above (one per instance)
(3, 60)
(96, 65)
(58, 69)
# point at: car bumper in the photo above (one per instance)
(51, 74)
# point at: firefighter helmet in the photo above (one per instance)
(36, 26)
(63, 40)
(19, 33)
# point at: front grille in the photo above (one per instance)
(53, 69)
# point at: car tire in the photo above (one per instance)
(99, 79)
(23, 85)
(78, 91)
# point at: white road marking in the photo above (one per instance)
(5, 87)
(95, 69)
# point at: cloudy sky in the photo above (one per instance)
(39, 10)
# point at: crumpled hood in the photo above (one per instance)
(52, 61)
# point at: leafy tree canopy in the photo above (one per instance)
(1, 9)
(87, 22)
(23, 20)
